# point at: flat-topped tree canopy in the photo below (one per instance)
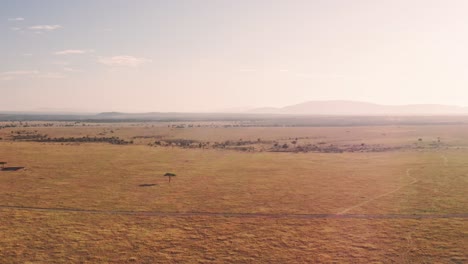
(170, 175)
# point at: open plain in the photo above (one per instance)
(96, 193)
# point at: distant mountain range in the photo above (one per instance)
(339, 107)
(323, 111)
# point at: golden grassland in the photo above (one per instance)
(390, 134)
(102, 176)
(98, 176)
(42, 237)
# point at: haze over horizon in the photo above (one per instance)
(192, 56)
(312, 108)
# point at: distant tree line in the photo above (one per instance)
(111, 140)
(44, 138)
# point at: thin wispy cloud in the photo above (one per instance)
(68, 69)
(15, 75)
(51, 75)
(72, 51)
(15, 29)
(11, 75)
(16, 19)
(123, 61)
(61, 63)
(46, 28)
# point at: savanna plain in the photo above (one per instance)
(89, 192)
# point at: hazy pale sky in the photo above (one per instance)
(205, 55)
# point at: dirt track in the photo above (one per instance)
(408, 174)
(236, 215)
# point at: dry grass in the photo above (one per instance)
(108, 177)
(101, 176)
(68, 237)
(389, 135)
(83, 238)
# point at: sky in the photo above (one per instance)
(211, 55)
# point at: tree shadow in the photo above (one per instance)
(147, 184)
(11, 168)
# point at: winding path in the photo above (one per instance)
(445, 160)
(408, 174)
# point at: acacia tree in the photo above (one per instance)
(169, 175)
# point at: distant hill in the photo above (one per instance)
(308, 113)
(361, 108)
